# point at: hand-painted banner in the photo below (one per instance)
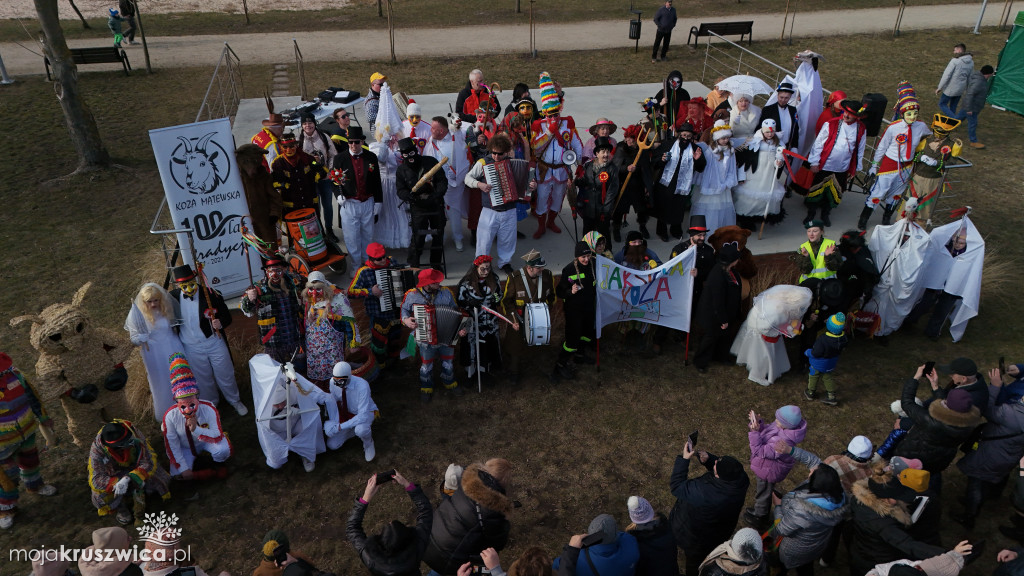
(661, 295)
(204, 193)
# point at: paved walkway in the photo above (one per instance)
(185, 51)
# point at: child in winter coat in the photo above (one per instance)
(114, 24)
(770, 466)
(823, 358)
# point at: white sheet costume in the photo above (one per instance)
(361, 411)
(294, 428)
(183, 445)
(712, 197)
(759, 346)
(392, 227)
(901, 265)
(956, 275)
(763, 187)
(808, 85)
(456, 199)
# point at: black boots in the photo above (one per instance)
(862, 224)
(887, 215)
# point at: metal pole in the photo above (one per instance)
(476, 343)
(977, 26)
(4, 78)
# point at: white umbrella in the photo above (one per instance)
(744, 84)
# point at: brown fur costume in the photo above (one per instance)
(74, 353)
(746, 267)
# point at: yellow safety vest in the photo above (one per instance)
(818, 269)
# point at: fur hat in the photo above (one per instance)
(640, 510)
(604, 525)
(721, 130)
(748, 546)
(789, 416)
(860, 447)
(959, 400)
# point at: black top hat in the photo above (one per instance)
(405, 145)
(183, 273)
(602, 142)
(698, 223)
(785, 87)
(355, 133)
(274, 260)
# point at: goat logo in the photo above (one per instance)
(199, 165)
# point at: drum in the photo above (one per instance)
(537, 324)
(364, 363)
(304, 231)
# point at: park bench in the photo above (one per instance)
(722, 29)
(104, 55)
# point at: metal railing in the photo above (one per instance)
(300, 66)
(222, 102)
(164, 228)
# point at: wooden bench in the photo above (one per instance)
(104, 55)
(722, 29)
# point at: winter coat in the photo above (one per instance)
(474, 519)
(658, 554)
(765, 462)
(880, 532)
(1001, 445)
(937, 432)
(665, 19)
(954, 77)
(720, 298)
(429, 199)
(722, 562)
(1012, 568)
(405, 560)
(977, 389)
(594, 200)
(616, 559)
(975, 94)
(706, 508)
(806, 521)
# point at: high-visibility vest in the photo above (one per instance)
(818, 269)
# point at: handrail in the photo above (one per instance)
(230, 60)
(302, 71)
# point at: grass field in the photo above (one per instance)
(362, 14)
(578, 449)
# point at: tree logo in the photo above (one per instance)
(160, 529)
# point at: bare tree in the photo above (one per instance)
(81, 124)
(85, 23)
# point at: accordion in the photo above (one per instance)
(393, 283)
(507, 179)
(437, 325)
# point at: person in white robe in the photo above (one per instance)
(712, 198)
(450, 142)
(392, 227)
(899, 251)
(759, 196)
(759, 345)
(744, 116)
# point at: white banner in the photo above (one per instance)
(204, 193)
(661, 295)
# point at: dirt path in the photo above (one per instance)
(372, 44)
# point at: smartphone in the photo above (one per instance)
(383, 477)
(692, 438)
(280, 556)
(929, 367)
(591, 539)
(1002, 365)
(920, 502)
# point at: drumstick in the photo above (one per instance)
(496, 314)
(430, 174)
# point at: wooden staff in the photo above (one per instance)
(430, 174)
(643, 144)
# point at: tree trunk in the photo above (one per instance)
(78, 117)
(85, 23)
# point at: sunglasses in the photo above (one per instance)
(341, 116)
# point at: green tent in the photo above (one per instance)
(1008, 84)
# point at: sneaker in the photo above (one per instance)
(6, 521)
(240, 408)
(830, 400)
(308, 465)
(369, 452)
(133, 42)
(458, 245)
(977, 145)
(809, 394)
(47, 490)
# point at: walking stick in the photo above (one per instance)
(643, 144)
(209, 313)
(476, 341)
(686, 353)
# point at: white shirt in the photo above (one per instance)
(189, 331)
(452, 146)
(785, 124)
(839, 159)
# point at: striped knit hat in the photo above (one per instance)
(549, 101)
(906, 97)
(183, 382)
(835, 323)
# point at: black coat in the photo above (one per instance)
(472, 520)
(584, 300)
(706, 508)
(720, 299)
(658, 554)
(384, 559)
(704, 263)
(772, 111)
(880, 532)
(430, 197)
(977, 389)
(223, 313)
(937, 432)
(343, 161)
(590, 203)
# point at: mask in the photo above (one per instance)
(414, 120)
(910, 116)
(188, 288)
(274, 274)
(290, 149)
(188, 405)
(316, 294)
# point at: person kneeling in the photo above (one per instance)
(356, 411)
(192, 427)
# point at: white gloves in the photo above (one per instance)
(929, 160)
(331, 429)
(873, 170)
(376, 209)
(122, 485)
(140, 339)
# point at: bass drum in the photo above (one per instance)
(537, 324)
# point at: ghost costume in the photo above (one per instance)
(759, 346)
(900, 264)
(957, 276)
(763, 185)
(294, 428)
(392, 227)
(712, 198)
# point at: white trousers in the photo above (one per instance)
(220, 451)
(212, 367)
(456, 207)
(500, 225)
(888, 186)
(549, 196)
(357, 227)
(363, 431)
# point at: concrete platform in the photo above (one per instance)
(619, 103)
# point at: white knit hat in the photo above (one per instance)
(640, 510)
(413, 110)
(860, 447)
